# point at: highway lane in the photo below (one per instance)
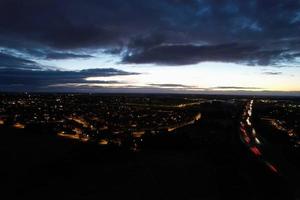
(256, 144)
(265, 151)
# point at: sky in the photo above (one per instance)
(155, 46)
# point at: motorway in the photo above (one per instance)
(255, 143)
(265, 151)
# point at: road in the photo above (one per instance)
(265, 151)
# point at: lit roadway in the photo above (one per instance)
(253, 141)
(265, 151)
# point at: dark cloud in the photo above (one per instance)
(272, 73)
(236, 88)
(118, 23)
(54, 23)
(22, 79)
(13, 62)
(56, 55)
(44, 53)
(142, 42)
(189, 54)
(169, 85)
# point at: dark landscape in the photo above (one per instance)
(205, 159)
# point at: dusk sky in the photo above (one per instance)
(176, 46)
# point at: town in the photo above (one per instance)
(99, 119)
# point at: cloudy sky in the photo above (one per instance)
(189, 46)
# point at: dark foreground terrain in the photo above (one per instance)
(204, 160)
